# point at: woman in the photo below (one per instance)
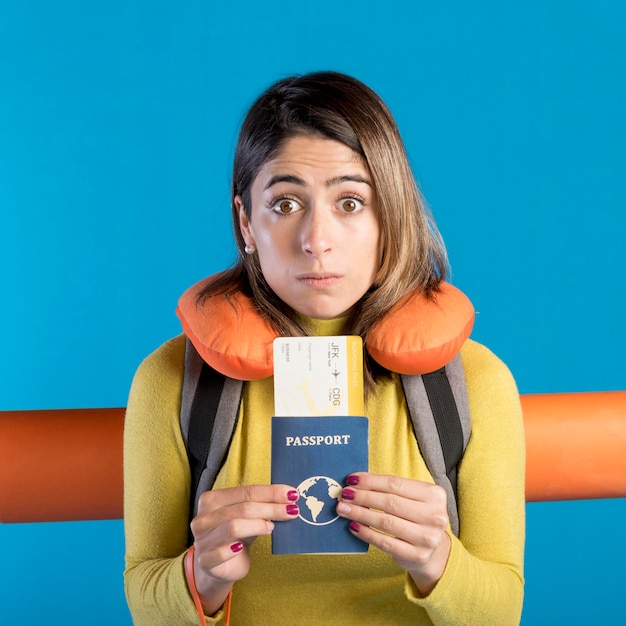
(333, 239)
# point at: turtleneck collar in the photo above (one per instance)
(325, 328)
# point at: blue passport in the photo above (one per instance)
(315, 455)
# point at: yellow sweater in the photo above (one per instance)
(483, 580)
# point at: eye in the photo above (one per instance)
(351, 205)
(285, 206)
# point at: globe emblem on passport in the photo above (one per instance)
(319, 495)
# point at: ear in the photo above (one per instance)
(244, 222)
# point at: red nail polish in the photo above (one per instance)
(352, 480)
(237, 547)
(348, 494)
(354, 527)
(292, 509)
(293, 495)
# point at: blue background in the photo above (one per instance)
(117, 126)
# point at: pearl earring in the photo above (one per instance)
(249, 249)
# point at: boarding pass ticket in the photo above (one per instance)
(318, 376)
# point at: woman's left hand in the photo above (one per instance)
(405, 518)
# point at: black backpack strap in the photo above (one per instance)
(209, 411)
(439, 409)
(447, 421)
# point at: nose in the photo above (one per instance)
(317, 232)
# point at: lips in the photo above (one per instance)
(322, 279)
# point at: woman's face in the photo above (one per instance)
(314, 224)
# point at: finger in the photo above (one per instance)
(385, 483)
(217, 556)
(426, 532)
(218, 498)
(231, 532)
(430, 509)
(408, 555)
(232, 517)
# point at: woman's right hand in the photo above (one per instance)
(227, 522)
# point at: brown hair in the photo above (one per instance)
(338, 107)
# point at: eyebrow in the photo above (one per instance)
(296, 180)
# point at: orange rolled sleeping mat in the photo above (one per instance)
(63, 465)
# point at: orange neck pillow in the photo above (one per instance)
(417, 335)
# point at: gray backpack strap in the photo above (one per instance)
(439, 409)
(209, 411)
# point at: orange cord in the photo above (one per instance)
(191, 583)
(227, 608)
